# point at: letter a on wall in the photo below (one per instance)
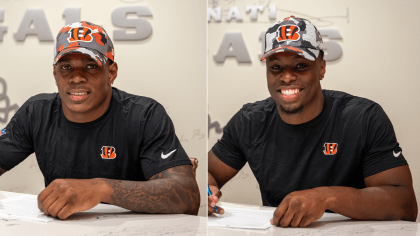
(35, 17)
(239, 51)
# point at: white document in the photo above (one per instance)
(242, 218)
(23, 207)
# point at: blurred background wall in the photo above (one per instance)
(372, 51)
(165, 59)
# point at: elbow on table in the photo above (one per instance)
(194, 206)
(410, 210)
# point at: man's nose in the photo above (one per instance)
(78, 77)
(288, 76)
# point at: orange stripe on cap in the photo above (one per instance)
(110, 56)
(283, 33)
(92, 27)
(65, 29)
(98, 38)
(76, 33)
(73, 45)
(285, 47)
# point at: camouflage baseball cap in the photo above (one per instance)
(84, 37)
(293, 34)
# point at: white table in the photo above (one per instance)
(337, 227)
(99, 222)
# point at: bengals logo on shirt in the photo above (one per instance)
(80, 34)
(288, 32)
(108, 152)
(330, 148)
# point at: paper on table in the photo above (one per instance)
(23, 207)
(241, 218)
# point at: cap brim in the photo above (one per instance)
(95, 55)
(307, 53)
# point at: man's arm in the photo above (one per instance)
(173, 190)
(2, 171)
(389, 195)
(218, 175)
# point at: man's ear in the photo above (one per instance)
(112, 73)
(322, 70)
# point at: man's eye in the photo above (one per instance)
(301, 66)
(92, 66)
(65, 67)
(276, 67)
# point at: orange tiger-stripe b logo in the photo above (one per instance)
(288, 32)
(108, 152)
(80, 34)
(330, 148)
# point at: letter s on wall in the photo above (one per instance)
(143, 27)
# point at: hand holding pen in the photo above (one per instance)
(213, 197)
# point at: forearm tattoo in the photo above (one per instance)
(174, 190)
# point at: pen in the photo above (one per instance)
(209, 192)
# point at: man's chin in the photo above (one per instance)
(291, 110)
(77, 108)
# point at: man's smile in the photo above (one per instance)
(289, 94)
(78, 96)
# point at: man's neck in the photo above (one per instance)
(307, 114)
(88, 116)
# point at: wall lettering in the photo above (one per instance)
(37, 19)
(72, 15)
(333, 50)
(239, 51)
(215, 13)
(254, 9)
(234, 13)
(7, 109)
(34, 22)
(3, 29)
(215, 125)
(142, 26)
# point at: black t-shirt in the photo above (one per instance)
(131, 141)
(351, 139)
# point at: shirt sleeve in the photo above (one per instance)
(382, 151)
(228, 148)
(160, 148)
(15, 140)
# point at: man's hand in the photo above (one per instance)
(64, 197)
(213, 200)
(218, 174)
(300, 208)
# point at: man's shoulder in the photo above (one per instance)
(258, 110)
(136, 105)
(41, 100)
(125, 98)
(349, 103)
(44, 97)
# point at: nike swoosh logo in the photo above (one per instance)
(396, 154)
(167, 155)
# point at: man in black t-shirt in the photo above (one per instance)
(313, 150)
(95, 143)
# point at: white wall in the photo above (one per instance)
(380, 61)
(169, 66)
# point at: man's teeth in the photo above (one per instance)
(78, 94)
(288, 92)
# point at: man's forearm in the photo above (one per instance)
(211, 180)
(162, 193)
(2, 171)
(372, 203)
